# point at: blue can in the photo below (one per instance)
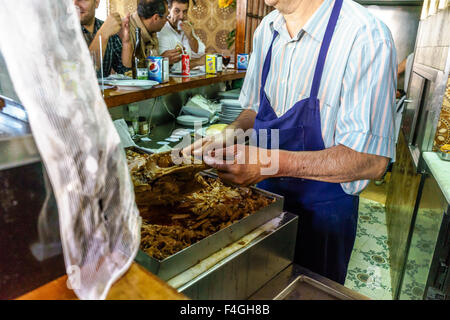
(155, 69)
(242, 61)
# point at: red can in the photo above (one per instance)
(185, 65)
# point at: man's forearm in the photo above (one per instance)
(336, 164)
(193, 43)
(127, 54)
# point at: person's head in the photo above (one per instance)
(178, 10)
(153, 14)
(87, 10)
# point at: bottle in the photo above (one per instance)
(143, 126)
(138, 64)
(132, 119)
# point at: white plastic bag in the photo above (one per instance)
(50, 67)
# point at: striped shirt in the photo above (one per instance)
(357, 91)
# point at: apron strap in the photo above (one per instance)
(324, 48)
(267, 61)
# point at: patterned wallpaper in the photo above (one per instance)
(212, 24)
(443, 130)
(123, 7)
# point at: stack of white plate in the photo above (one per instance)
(230, 94)
(191, 121)
(231, 109)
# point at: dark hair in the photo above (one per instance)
(169, 2)
(148, 8)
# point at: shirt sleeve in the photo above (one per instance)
(249, 97)
(365, 120)
(165, 41)
(116, 63)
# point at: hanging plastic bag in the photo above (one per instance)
(50, 68)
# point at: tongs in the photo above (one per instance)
(172, 162)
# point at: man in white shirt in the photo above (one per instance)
(179, 32)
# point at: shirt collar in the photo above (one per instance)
(172, 29)
(315, 26)
(97, 24)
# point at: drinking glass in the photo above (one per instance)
(226, 61)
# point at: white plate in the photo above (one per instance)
(105, 87)
(229, 115)
(232, 94)
(192, 73)
(190, 121)
(226, 110)
(232, 111)
(196, 111)
(132, 84)
(117, 77)
(225, 106)
(230, 102)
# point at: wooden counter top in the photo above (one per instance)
(136, 284)
(117, 97)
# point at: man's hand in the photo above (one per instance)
(243, 167)
(187, 28)
(111, 26)
(124, 32)
(174, 55)
(204, 146)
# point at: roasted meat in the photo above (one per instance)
(182, 208)
(158, 180)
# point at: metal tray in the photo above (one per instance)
(186, 258)
(444, 156)
(306, 288)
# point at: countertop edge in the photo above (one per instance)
(441, 172)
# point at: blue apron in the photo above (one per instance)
(327, 215)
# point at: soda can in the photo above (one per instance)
(242, 61)
(185, 65)
(210, 64)
(156, 69)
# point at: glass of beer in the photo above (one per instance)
(225, 60)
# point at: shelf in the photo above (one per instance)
(117, 97)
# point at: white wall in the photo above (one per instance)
(100, 13)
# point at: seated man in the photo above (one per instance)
(116, 45)
(178, 32)
(150, 17)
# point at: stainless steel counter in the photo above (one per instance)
(245, 271)
(298, 283)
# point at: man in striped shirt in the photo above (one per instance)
(323, 75)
